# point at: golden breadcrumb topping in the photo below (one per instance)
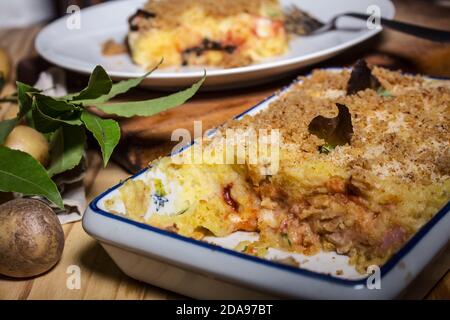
(404, 133)
(212, 7)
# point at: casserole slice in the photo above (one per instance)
(205, 33)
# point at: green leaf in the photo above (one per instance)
(29, 119)
(24, 97)
(49, 114)
(117, 89)
(44, 123)
(67, 148)
(25, 102)
(99, 84)
(47, 124)
(20, 172)
(53, 107)
(6, 126)
(335, 131)
(152, 106)
(106, 132)
(63, 121)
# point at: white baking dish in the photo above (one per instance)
(201, 269)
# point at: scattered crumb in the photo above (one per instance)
(339, 272)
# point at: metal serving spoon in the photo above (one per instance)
(301, 23)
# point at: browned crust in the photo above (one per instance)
(211, 7)
(405, 135)
(166, 12)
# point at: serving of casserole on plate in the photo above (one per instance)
(239, 42)
(361, 180)
(203, 33)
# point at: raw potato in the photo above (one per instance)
(29, 140)
(31, 238)
(5, 64)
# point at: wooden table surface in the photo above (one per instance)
(150, 137)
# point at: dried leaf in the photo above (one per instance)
(335, 131)
(361, 78)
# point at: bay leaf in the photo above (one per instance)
(24, 97)
(67, 148)
(99, 84)
(152, 106)
(6, 126)
(25, 102)
(46, 124)
(117, 89)
(335, 131)
(20, 172)
(105, 131)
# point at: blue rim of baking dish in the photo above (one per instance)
(385, 268)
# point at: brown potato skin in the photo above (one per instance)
(31, 238)
(31, 141)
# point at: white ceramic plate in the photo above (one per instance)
(211, 269)
(80, 49)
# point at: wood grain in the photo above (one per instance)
(150, 137)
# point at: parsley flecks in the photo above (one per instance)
(21, 173)
(326, 148)
(286, 237)
(384, 93)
